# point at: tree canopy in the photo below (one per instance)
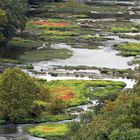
(119, 119)
(17, 94)
(12, 18)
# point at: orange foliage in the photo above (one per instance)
(47, 129)
(68, 96)
(64, 93)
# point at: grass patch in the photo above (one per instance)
(55, 118)
(71, 6)
(135, 62)
(2, 122)
(49, 130)
(76, 92)
(61, 33)
(8, 60)
(130, 36)
(128, 49)
(47, 117)
(45, 55)
(123, 29)
(25, 43)
(108, 9)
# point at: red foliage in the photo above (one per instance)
(64, 93)
(62, 24)
(67, 96)
(48, 129)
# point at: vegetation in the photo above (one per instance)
(128, 49)
(45, 55)
(16, 90)
(23, 99)
(130, 36)
(116, 120)
(49, 130)
(75, 92)
(123, 29)
(24, 43)
(11, 61)
(12, 18)
(90, 37)
(35, 102)
(71, 6)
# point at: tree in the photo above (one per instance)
(17, 94)
(3, 22)
(12, 13)
(117, 120)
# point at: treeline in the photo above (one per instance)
(12, 18)
(117, 120)
(38, 1)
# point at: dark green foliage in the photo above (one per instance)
(12, 13)
(117, 120)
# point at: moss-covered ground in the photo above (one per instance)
(76, 92)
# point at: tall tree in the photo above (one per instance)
(17, 94)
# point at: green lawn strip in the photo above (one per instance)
(49, 130)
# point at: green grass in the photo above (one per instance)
(135, 62)
(25, 43)
(70, 27)
(94, 38)
(46, 117)
(128, 49)
(8, 60)
(81, 90)
(55, 118)
(122, 29)
(2, 122)
(130, 36)
(70, 6)
(60, 33)
(45, 55)
(108, 9)
(55, 34)
(49, 130)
